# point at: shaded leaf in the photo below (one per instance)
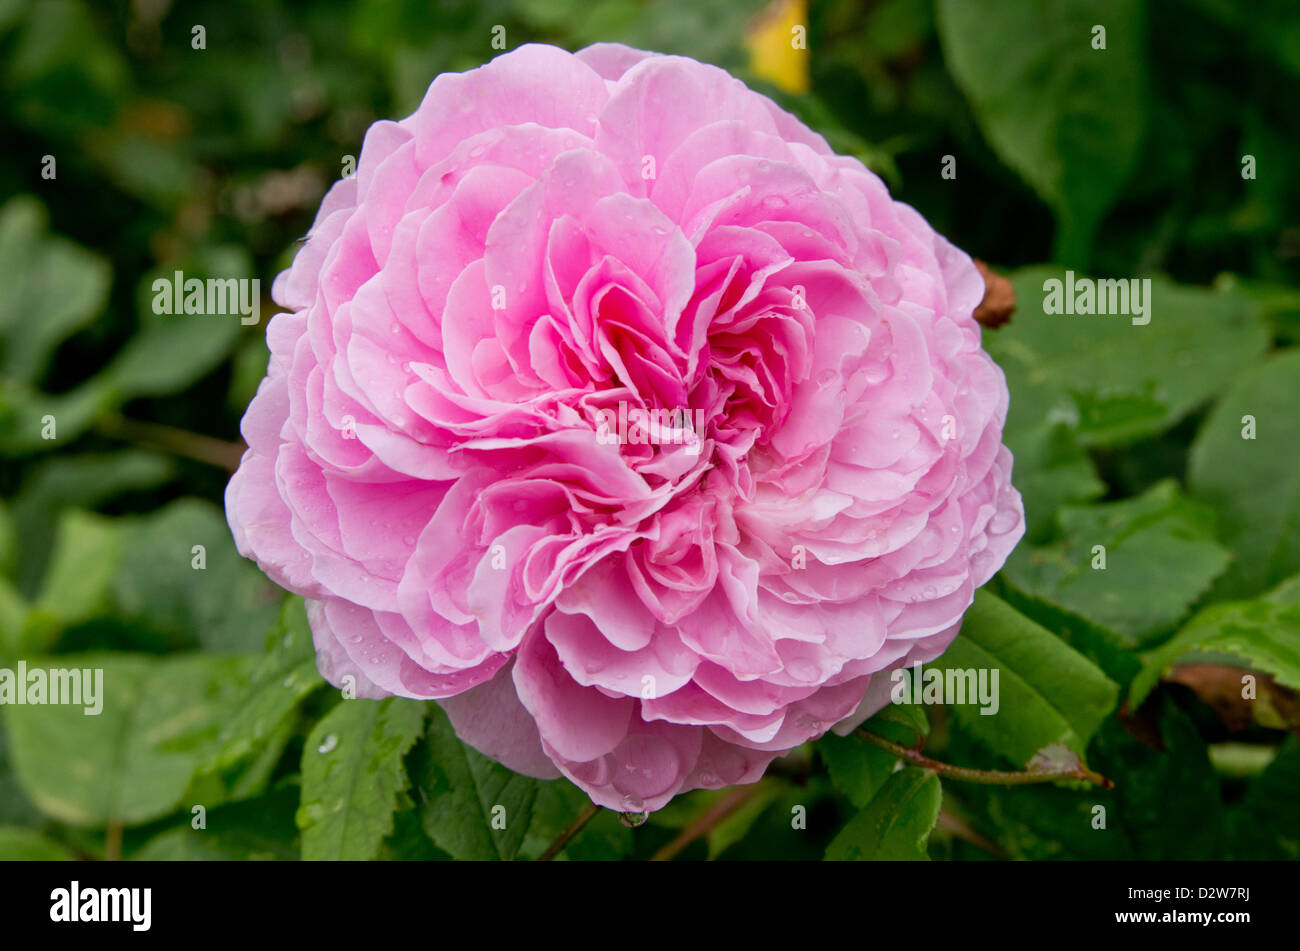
(134, 760)
(896, 824)
(1066, 116)
(352, 775)
(1255, 482)
(1047, 692)
(474, 808)
(1160, 556)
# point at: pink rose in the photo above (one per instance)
(476, 455)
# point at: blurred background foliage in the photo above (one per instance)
(1122, 162)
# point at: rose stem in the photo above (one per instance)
(962, 829)
(556, 847)
(991, 777)
(215, 452)
(702, 826)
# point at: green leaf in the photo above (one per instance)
(15, 614)
(1265, 634)
(1160, 556)
(1047, 692)
(902, 722)
(1255, 482)
(68, 481)
(171, 351)
(896, 824)
(858, 769)
(52, 289)
(474, 808)
(1050, 469)
(8, 541)
(285, 676)
(24, 845)
(352, 775)
(1099, 644)
(1169, 805)
(77, 585)
(15, 808)
(1069, 118)
(1267, 25)
(227, 604)
(1109, 381)
(134, 761)
(65, 77)
(1265, 824)
(260, 829)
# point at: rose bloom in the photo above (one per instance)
(450, 456)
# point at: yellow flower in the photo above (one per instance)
(778, 45)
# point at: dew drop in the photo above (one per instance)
(1004, 521)
(328, 744)
(632, 819)
(875, 373)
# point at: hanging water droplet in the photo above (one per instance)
(328, 744)
(875, 373)
(1004, 521)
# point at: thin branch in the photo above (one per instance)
(959, 827)
(992, 777)
(178, 442)
(556, 847)
(705, 824)
(113, 841)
